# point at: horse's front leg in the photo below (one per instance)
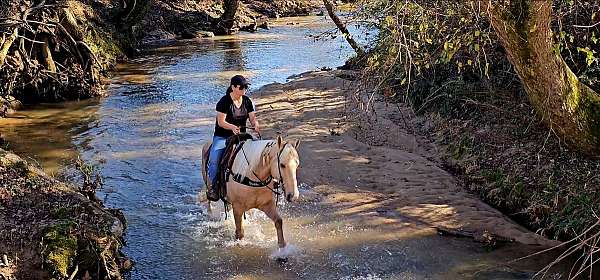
(238, 213)
(271, 211)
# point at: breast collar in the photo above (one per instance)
(244, 180)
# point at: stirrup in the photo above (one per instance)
(212, 195)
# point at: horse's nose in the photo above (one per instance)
(289, 197)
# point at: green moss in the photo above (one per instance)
(590, 112)
(585, 103)
(574, 94)
(103, 46)
(461, 148)
(591, 115)
(59, 213)
(60, 248)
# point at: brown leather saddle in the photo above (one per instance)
(232, 147)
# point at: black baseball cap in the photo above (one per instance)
(239, 80)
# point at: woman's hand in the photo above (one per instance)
(236, 130)
(254, 122)
(257, 128)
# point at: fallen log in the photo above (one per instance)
(342, 27)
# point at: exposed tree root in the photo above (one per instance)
(43, 55)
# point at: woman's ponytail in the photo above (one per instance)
(229, 90)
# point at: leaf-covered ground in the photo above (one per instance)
(49, 230)
(501, 150)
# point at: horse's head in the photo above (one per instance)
(284, 165)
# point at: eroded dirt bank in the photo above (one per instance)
(50, 231)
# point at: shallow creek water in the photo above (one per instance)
(146, 137)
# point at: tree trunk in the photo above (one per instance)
(570, 108)
(47, 57)
(5, 45)
(340, 25)
(70, 24)
(225, 24)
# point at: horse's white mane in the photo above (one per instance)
(253, 151)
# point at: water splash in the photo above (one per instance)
(285, 252)
(365, 277)
(218, 230)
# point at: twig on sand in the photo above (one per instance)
(479, 236)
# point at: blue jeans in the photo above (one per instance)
(216, 152)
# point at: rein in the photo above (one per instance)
(279, 183)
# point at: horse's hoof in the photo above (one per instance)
(282, 260)
(201, 198)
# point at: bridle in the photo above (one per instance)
(279, 183)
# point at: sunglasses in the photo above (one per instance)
(242, 87)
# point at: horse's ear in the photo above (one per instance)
(297, 144)
(279, 142)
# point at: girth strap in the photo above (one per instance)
(244, 180)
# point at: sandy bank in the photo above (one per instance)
(388, 176)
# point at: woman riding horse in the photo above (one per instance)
(233, 110)
(260, 169)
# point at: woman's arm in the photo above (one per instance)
(224, 124)
(254, 122)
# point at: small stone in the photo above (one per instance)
(205, 34)
(117, 228)
(5, 260)
(127, 264)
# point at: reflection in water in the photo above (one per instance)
(43, 133)
(233, 57)
(146, 139)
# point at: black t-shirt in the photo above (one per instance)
(235, 116)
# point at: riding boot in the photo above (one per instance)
(211, 193)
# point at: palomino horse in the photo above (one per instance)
(273, 161)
